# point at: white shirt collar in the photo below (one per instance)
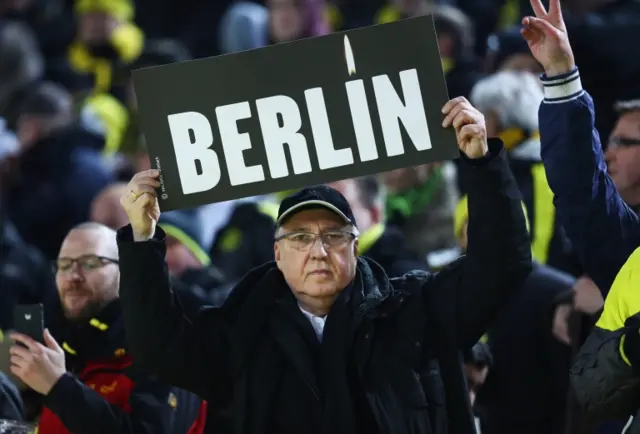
(317, 322)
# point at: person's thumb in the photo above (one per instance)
(542, 26)
(50, 341)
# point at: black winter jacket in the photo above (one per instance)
(407, 334)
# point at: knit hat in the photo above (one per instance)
(121, 9)
(186, 227)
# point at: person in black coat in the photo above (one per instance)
(60, 170)
(321, 341)
(526, 389)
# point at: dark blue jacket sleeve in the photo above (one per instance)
(604, 231)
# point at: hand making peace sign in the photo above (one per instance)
(546, 35)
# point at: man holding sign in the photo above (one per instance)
(321, 340)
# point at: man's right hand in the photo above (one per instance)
(140, 202)
(546, 35)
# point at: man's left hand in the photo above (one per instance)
(38, 366)
(468, 122)
(587, 297)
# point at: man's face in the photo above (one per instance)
(476, 376)
(400, 180)
(86, 277)
(317, 270)
(446, 44)
(179, 258)
(285, 20)
(623, 152)
(365, 217)
(106, 208)
(95, 27)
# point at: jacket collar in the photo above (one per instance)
(100, 337)
(250, 303)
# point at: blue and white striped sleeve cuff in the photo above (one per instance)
(562, 88)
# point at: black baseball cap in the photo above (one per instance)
(318, 196)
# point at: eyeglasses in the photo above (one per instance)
(623, 142)
(86, 263)
(305, 240)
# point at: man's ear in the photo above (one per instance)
(276, 254)
(355, 248)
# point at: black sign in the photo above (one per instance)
(301, 113)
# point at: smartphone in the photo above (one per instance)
(28, 319)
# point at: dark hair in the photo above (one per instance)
(369, 190)
(479, 355)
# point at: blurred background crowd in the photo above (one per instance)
(69, 142)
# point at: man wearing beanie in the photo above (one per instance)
(107, 39)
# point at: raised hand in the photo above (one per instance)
(546, 35)
(140, 202)
(468, 122)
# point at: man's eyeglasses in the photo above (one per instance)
(86, 263)
(305, 240)
(623, 142)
